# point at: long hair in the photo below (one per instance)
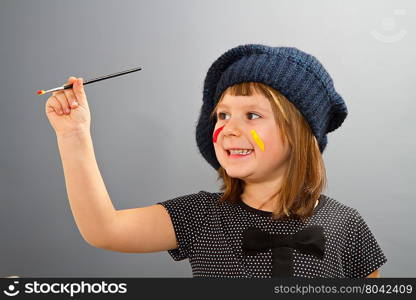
(305, 176)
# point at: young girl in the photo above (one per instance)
(263, 127)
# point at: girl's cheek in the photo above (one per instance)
(258, 140)
(216, 133)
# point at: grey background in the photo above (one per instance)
(143, 124)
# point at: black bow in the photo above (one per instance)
(310, 240)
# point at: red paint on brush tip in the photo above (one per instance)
(216, 133)
(40, 92)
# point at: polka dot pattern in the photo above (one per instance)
(209, 234)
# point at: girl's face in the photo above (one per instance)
(248, 123)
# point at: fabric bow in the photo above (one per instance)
(310, 240)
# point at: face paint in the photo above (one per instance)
(216, 133)
(257, 139)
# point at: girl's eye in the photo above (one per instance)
(253, 114)
(221, 114)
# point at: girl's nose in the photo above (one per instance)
(232, 128)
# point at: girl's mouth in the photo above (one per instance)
(238, 154)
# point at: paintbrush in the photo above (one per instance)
(69, 86)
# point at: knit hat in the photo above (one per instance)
(299, 76)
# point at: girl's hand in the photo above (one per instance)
(65, 116)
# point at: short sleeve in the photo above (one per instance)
(363, 254)
(187, 214)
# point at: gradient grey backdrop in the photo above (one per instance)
(143, 124)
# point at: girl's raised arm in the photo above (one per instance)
(146, 229)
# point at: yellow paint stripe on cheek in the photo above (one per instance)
(257, 139)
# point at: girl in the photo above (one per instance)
(262, 126)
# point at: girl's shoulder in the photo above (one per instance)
(212, 195)
(332, 205)
(199, 202)
(339, 213)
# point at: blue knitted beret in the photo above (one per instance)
(299, 76)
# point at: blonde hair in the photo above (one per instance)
(305, 176)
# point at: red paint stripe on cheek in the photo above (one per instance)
(216, 133)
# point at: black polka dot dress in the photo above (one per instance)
(210, 234)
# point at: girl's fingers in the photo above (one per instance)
(69, 93)
(62, 101)
(79, 91)
(55, 104)
(60, 95)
